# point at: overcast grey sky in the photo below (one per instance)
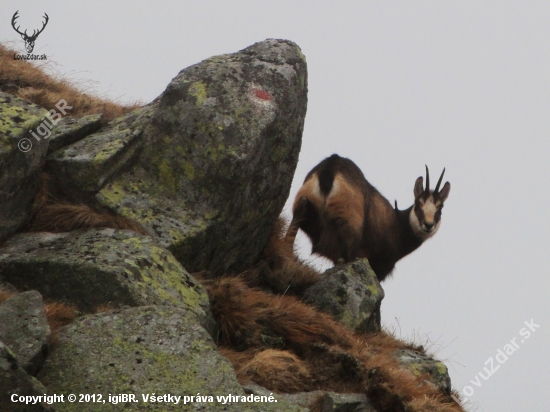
(393, 85)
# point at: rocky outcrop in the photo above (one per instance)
(206, 169)
(20, 167)
(143, 351)
(101, 267)
(351, 293)
(211, 158)
(25, 330)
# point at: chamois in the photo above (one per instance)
(346, 217)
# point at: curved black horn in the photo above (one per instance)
(427, 179)
(436, 190)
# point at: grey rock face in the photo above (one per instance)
(99, 267)
(83, 167)
(145, 350)
(351, 293)
(19, 171)
(15, 381)
(69, 130)
(24, 328)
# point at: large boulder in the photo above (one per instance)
(24, 328)
(150, 350)
(101, 267)
(351, 293)
(207, 166)
(21, 160)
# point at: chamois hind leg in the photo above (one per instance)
(340, 242)
(298, 216)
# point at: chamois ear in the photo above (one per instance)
(444, 193)
(418, 187)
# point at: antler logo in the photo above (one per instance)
(29, 40)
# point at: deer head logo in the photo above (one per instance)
(29, 40)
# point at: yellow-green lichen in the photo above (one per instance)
(166, 174)
(198, 90)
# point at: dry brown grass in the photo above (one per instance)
(281, 371)
(65, 217)
(51, 214)
(279, 269)
(58, 315)
(30, 81)
(287, 346)
(5, 295)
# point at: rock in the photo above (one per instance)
(322, 400)
(213, 168)
(20, 170)
(24, 328)
(84, 166)
(69, 130)
(351, 293)
(15, 381)
(100, 267)
(420, 364)
(146, 350)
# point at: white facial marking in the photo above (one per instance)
(420, 230)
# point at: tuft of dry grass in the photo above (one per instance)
(279, 269)
(30, 81)
(5, 295)
(246, 315)
(65, 217)
(53, 215)
(281, 371)
(59, 314)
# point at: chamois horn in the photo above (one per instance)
(436, 190)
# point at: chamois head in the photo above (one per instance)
(425, 215)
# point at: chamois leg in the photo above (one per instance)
(340, 242)
(297, 217)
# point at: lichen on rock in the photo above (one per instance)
(101, 267)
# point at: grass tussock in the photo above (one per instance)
(65, 217)
(32, 82)
(59, 314)
(279, 269)
(281, 371)
(50, 214)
